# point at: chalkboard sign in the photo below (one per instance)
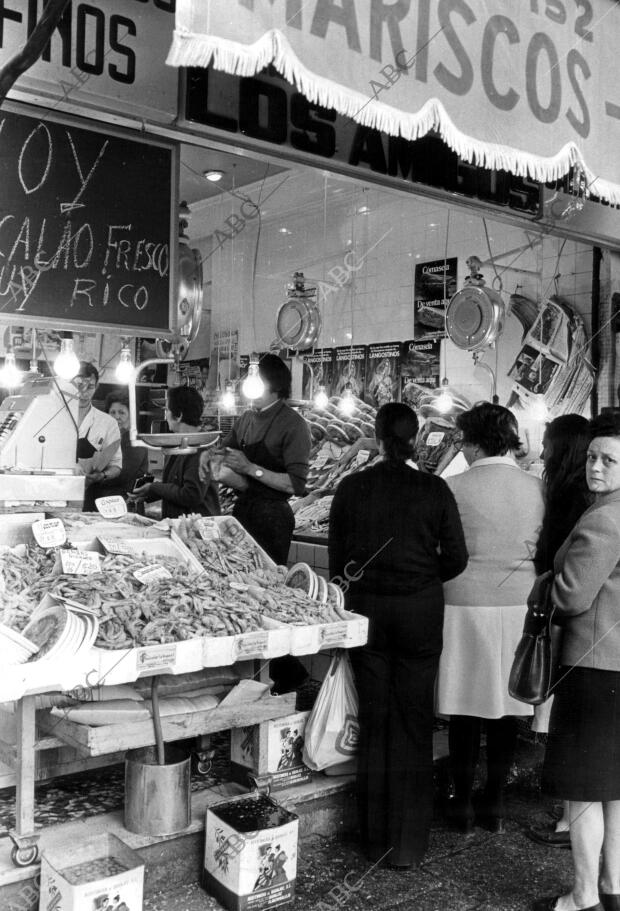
(86, 225)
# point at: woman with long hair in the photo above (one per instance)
(565, 447)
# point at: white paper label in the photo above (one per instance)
(80, 562)
(111, 507)
(434, 438)
(116, 547)
(362, 457)
(156, 657)
(252, 644)
(152, 573)
(207, 530)
(334, 634)
(49, 532)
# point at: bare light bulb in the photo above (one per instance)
(227, 400)
(444, 402)
(320, 399)
(253, 386)
(10, 376)
(538, 409)
(347, 403)
(124, 369)
(67, 364)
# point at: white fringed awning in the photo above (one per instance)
(527, 86)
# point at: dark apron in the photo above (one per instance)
(265, 513)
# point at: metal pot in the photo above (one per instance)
(475, 317)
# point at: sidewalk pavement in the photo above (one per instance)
(483, 872)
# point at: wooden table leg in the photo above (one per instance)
(25, 850)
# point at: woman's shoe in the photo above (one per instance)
(549, 904)
(610, 902)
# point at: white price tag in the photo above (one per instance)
(49, 532)
(116, 547)
(207, 530)
(152, 573)
(333, 634)
(80, 562)
(111, 507)
(251, 645)
(435, 438)
(362, 457)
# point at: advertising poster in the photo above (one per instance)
(382, 373)
(435, 283)
(350, 370)
(419, 369)
(320, 372)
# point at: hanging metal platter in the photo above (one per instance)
(298, 323)
(475, 317)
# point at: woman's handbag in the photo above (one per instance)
(534, 667)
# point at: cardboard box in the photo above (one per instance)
(100, 874)
(250, 870)
(271, 748)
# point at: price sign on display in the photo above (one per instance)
(334, 634)
(207, 530)
(117, 547)
(111, 507)
(80, 563)
(362, 457)
(434, 438)
(49, 532)
(152, 573)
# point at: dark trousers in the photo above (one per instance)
(395, 760)
(464, 742)
(270, 522)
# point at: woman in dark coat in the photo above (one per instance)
(394, 537)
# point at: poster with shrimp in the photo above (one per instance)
(350, 370)
(382, 373)
(320, 372)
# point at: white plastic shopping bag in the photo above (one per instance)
(332, 730)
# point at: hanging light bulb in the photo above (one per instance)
(10, 376)
(67, 364)
(227, 400)
(347, 402)
(538, 409)
(320, 399)
(253, 386)
(125, 369)
(444, 401)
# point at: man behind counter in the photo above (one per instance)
(269, 450)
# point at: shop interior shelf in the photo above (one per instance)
(96, 741)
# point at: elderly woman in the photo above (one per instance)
(395, 534)
(582, 763)
(501, 508)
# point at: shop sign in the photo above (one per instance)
(266, 113)
(528, 87)
(434, 285)
(108, 56)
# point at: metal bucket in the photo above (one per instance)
(157, 797)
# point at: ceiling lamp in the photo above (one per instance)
(10, 376)
(253, 386)
(444, 402)
(67, 364)
(125, 369)
(320, 399)
(347, 403)
(227, 400)
(213, 176)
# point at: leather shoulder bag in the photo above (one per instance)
(534, 667)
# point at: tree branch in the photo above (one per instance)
(33, 48)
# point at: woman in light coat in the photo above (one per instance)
(501, 508)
